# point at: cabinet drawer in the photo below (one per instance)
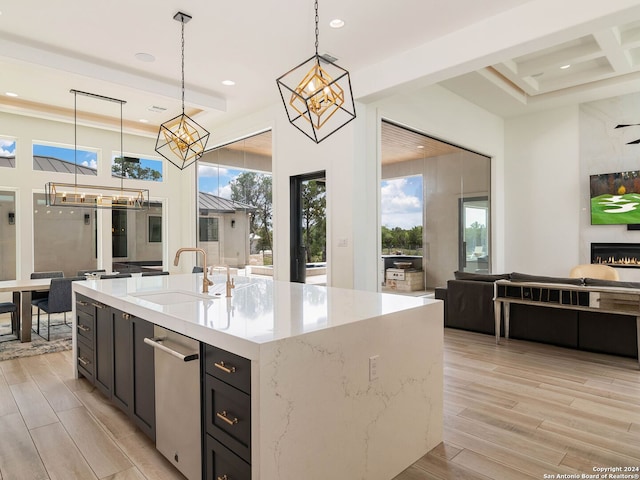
(85, 325)
(221, 463)
(228, 416)
(86, 361)
(83, 304)
(228, 367)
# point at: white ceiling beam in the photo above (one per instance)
(594, 75)
(577, 54)
(514, 91)
(527, 84)
(630, 38)
(619, 58)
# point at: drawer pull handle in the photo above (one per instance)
(223, 416)
(81, 303)
(83, 361)
(224, 368)
(83, 328)
(223, 477)
(97, 305)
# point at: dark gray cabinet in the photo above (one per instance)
(143, 402)
(112, 355)
(227, 415)
(85, 327)
(103, 348)
(122, 370)
(133, 387)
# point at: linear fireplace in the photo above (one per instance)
(616, 254)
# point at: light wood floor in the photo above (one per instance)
(521, 410)
(515, 411)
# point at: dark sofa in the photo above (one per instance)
(469, 306)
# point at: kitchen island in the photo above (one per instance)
(341, 383)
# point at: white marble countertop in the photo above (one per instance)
(260, 310)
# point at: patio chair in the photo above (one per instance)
(59, 301)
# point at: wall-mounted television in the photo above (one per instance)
(615, 198)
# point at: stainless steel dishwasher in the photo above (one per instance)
(177, 376)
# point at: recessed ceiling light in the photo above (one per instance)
(11, 94)
(145, 57)
(564, 67)
(420, 146)
(228, 83)
(143, 120)
(336, 23)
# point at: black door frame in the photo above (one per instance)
(298, 254)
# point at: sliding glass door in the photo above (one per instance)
(474, 235)
(435, 211)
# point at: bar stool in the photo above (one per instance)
(10, 307)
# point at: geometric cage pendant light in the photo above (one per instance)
(182, 140)
(317, 95)
(96, 196)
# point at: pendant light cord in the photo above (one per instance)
(317, 28)
(121, 152)
(182, 22)
(75, 137)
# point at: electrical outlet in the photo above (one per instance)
(373, 367)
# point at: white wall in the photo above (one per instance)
(604, 149)
(542, 193)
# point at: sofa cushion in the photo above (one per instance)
(470, 306)
(523, 277)
(480, 277)
(597, 282)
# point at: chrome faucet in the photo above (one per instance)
(205, 279)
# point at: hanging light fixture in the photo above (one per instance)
(95, 196)
(182, 140)
(317, 95)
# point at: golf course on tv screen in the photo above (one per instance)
(615, 198)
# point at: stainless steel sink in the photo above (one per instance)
(172, 297)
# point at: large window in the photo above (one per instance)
(134, 167)
(52, 158)
(235, 206)
(402, 210)
(7, 152)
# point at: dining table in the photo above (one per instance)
(22, 292)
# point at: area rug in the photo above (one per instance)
(11, 347)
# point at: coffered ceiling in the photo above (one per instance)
(588, 66)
